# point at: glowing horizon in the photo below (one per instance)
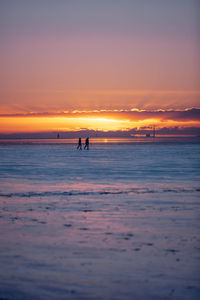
(116, 120)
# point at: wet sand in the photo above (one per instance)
(118, 222)
(129, 246)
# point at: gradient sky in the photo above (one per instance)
(85, 55)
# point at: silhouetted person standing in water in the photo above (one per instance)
(86, 144)
(79, 144)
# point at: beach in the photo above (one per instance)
(120, 221)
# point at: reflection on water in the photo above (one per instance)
(111, 223)
(104, 140)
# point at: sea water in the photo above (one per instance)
(119, 221)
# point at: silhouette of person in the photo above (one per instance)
(79, 144)
(86, 143)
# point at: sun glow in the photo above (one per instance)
(72, 122)
(32, 124)
(104, 123)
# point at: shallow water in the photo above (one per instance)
(119, 221)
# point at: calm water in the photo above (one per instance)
(120, 221)
(51, 166)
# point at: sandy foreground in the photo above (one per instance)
(123, 246)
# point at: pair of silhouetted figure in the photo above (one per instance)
(86, 144)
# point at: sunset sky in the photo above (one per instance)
(70, 65)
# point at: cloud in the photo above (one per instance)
(173, 131)
(189, 114)
(58, 100)
(100, 120)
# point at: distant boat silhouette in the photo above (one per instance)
(58, 136)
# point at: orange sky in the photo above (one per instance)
(99, 58)
(102, 120)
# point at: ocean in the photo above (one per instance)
(120, 221)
